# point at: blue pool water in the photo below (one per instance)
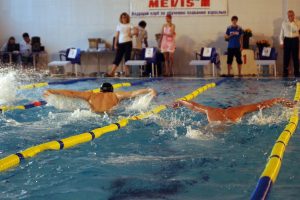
(174, 155)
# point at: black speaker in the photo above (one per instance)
(36, 44)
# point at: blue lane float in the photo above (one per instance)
(71, 81)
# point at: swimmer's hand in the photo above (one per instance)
(177, 104)
(287, 103)
(152, 92)
(47, 93)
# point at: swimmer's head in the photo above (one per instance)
(106, 87)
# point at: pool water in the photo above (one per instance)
(174, 155)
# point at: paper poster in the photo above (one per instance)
(266, 51)
(72, 53)
(206, 52)
(149, 53)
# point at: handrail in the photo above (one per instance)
(15, 159)
(271, 171)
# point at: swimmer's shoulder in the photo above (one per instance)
(122, 94)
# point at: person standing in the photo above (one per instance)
(140, 39)
(234, 36)
(167, 44)
(289, 41)
(142, 35)
(123, 43)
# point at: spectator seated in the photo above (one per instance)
(10, 51)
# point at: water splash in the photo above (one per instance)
(141, 103)
(65, 103)
(8, 87)
(275, 118)
(196, 134)
(79, 114)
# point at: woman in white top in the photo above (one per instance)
(123, 43)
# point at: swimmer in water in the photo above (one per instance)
(104, 101)
(232, 114)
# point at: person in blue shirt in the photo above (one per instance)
(234, 37)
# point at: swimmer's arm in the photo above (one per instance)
(266, 104)
(194, 106)
(69, 93)
(271, 102)
(127, 95)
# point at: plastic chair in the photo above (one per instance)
(151, 59)
(137, 61)
(70, 56)
(148, 56)
(206, 56)
(266, 56)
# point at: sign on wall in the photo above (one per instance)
(158, 8)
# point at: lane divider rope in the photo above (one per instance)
(271, 171)
(44, 84)
(15, 159)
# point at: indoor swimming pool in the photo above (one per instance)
(175, 154)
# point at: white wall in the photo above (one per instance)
(294, 5)
(65, 23)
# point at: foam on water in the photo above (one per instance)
(65, 103)
(264, 119)
(142, 158)
(79, 114)
(76, 115)
(9, 121)
(196, 134)
(141, 103)
(8, 87)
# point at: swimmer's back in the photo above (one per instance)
(102, 102)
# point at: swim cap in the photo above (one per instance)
(106, 87)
